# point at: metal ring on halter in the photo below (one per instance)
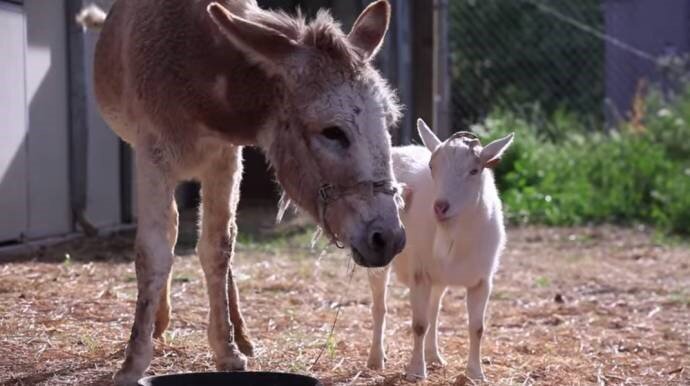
(330, 193)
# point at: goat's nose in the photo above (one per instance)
(441, 208)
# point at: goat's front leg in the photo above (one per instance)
(431, 342)
(219, 196)
(157, 218)
(378, 281)
(477, 300)
(419, 299)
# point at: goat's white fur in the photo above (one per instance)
(463, 249)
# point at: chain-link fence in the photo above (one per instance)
(522, 54)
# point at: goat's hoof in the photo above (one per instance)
(126, 378)
(246, 346)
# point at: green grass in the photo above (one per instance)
(298, 242)
(542, 282)
(680, 298)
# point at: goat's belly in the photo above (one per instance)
(464, 273)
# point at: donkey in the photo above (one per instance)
(188, 83)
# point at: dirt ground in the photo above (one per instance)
(600, 305)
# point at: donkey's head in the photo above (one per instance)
(329, 141)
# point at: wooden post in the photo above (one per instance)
(441, 70)
(422, 61)
(402, 37)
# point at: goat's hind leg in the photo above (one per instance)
(378, 282)
(157, 216)
(219, 196)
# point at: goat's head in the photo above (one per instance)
(459, 167)
(330, 144)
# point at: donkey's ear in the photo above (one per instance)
(265, 46)
(369, 30)
(491, 154)
(429, 139)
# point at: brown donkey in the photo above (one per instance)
(188, 83)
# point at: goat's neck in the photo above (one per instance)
(462, 231)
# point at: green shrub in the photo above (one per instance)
(577, 177)
(672, 209)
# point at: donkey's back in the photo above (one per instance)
(158, 62)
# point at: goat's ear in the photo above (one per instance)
(491, 154)
(369, 30)
(429, 139)
(262, 45)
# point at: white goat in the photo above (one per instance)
(455, 234)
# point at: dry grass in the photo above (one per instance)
(570, 306)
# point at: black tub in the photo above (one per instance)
(230, 379)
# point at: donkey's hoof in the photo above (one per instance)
(476, 375)
(125, 378)
(413, 377)
(236, 361)
(435, 359)
(375, 363)
(246, 346)
(415, 373)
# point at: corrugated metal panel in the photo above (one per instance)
(103, 160)
(46, 99)
(649, 30)
(13, 163)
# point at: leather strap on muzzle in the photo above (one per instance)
(328, 194)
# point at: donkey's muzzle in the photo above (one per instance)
(380, 246)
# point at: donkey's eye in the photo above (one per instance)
(336, 134)
(474, 172)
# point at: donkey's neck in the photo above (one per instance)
(224, 92)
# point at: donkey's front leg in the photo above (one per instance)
(157, 217)
(220, 194)
(477, 299)
(378, 281)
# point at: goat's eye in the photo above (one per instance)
(336, 134)
(474, 172)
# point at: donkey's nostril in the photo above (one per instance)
(378, 241)
(441, 207)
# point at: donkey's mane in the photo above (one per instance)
(323, 32)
